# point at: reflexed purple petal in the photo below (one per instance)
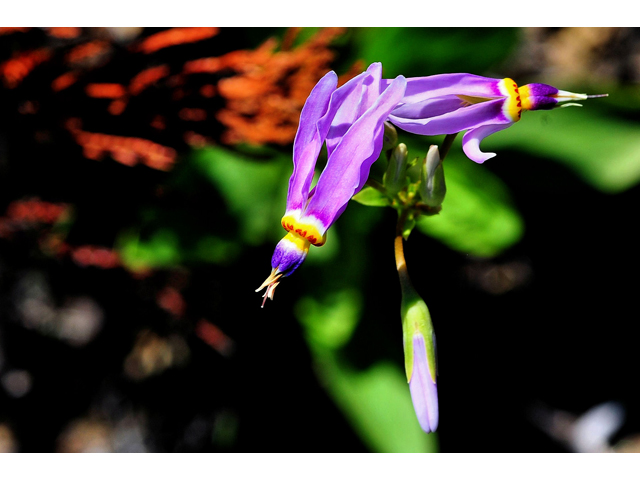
(472, 138)
(348, 166)
(422, 88)
(358, 100)
(424, 391)
(432, 107)
(464, 118)
(371, 87)
(308, 141)
(346, 101)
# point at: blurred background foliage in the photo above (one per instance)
(143, 174)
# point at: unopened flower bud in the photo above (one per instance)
(395, 179)
(420, 355)
(432, 186)
(390, 139)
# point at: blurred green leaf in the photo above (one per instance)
(165, 248)
(430, 51)
(330, 324)
(371, 197)
(376, 401)
(477, 216)
(214, 250)
(604, 151)
(409, 225)
(254, 190)
(161, 250)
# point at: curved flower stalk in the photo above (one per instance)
(451, 103)
(350, 119)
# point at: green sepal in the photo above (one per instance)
(408, 227)
(390, 139)
(394, 178)
(414, 170)
(432, 187)
(372, 197)
(416, 318)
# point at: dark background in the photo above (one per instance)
(128, 320)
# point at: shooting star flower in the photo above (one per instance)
(452, 103)
(350, 120)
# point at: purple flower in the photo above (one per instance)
(350, 120)
(451, 103)
(423, 386)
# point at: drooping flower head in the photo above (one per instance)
(452, 103)
(350, 120)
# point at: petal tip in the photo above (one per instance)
(482, 158)
(424, 390)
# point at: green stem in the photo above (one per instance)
(402, 218)
(401, 264)
(376, 184)
(446, 145)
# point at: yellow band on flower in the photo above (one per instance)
(305, 230)
(297, 242)
(525, 97)
(513, 106)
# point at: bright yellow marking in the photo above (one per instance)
(525, 97)
(299, 242)
(304, 230)
(513, 105)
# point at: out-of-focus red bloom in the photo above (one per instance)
(117, 106)
(126, 150)
(196, 140)
(208, 91)
(159, 122)
(258, 93)
(120, 93)
(95, 256)
(266, 88)
(175, 36)
(87, 54)
(64, 81)
(10, 30)
(64, 32)
(105, 90)
(33, 214)
(35, 211)
(214, 337)
(192, 114)
(147, 77)
(14, 70)
(171, 300)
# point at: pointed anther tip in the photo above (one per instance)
(563, 96)
(273, 276)
(272, 281)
